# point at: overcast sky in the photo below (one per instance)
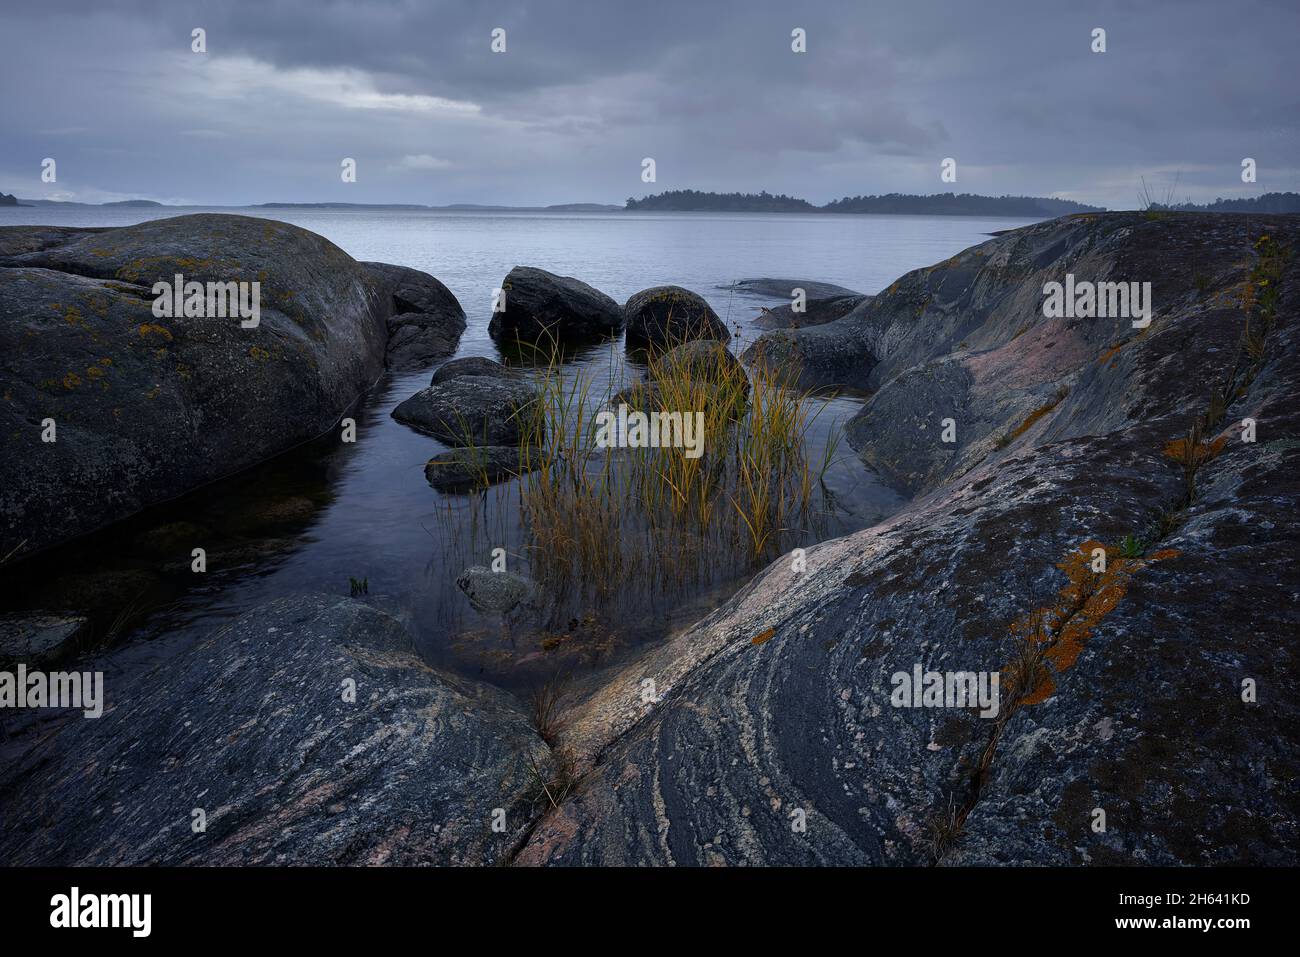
(585, 90)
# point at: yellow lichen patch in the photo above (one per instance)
(1176, 449)
(94, 372)
(152, 328)
(71, 380)
(258, 353)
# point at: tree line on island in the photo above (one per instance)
(939, 204)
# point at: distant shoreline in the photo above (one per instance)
(690, 201)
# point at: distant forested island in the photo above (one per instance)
(941, 204)
(692, 200)
(1268, 203)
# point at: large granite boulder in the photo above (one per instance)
(541, 307)
(305, 732)
(427, 320)
(1160, 689)
(669, 315)
(142, 409)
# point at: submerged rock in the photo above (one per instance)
(785, 288)
(470, 410)
(39, 639)
(776, 736)
(147, 408)
(499, 592)
(540, 305)
(305, 732)
(427, 320)
(670, 314)
(466, 468)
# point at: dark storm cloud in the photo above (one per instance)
(711, 90)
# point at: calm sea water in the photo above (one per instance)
(316, 518)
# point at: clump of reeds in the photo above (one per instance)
(596, 518)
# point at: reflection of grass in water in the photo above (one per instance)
(600, 522)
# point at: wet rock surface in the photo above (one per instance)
(489, 591)
(147, 408)
(474, 365)
(671, 314)
(463, 469)
(776, 710)
(469, 410)
(253, 727)
(541, 306)
(785, 288)
(427, 320)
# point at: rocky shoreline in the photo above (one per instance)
(307, 731)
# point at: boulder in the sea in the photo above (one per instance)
(474, 365)
(541, 309)
(426, 321)
(110, 409)
(470, 410)
(668, 315)
(708, 360)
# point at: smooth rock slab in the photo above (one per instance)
(250, 725)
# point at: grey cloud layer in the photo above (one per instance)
(711, 90)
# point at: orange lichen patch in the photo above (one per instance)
(1033, 417)
(1176, 449)
(1064, 627)
(152, 328)
(1111, 354)
(71, 380)
(762, 637)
